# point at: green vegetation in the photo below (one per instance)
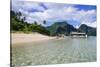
(66, 29)
(18, 24)
(61, 28)
(88, 30)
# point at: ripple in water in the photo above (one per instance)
(56, 51)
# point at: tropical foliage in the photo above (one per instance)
(18, 23)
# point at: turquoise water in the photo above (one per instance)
(55, 51)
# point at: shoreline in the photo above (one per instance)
(27, 38)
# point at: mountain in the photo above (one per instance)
(60, 28)
(88, 30)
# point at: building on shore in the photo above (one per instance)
(78, 34)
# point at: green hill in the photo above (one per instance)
(87, 29)
(60, 28)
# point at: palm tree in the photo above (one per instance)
(44, 22)
(35, 22)
(18, 14)
(23, 19)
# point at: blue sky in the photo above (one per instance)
(85, 7)
(54, 12)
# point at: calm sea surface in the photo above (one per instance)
(55, 51)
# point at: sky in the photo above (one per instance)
(73, 14)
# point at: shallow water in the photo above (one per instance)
(55, 51)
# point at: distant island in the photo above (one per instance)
(19, 24)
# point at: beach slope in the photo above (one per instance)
(26, 38)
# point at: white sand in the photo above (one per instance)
(26, 38)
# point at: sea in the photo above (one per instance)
(55, 51)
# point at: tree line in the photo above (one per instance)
(18, 23)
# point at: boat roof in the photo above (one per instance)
(77, 33)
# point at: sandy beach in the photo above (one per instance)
(26, 38)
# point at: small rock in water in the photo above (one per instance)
(29, 63)
(22, 64)
(55, 61)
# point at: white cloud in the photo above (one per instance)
(87, 16)
(93, 24)
(54, 12)
(56, 5)
(26, 5)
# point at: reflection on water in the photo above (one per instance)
(56, 51)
